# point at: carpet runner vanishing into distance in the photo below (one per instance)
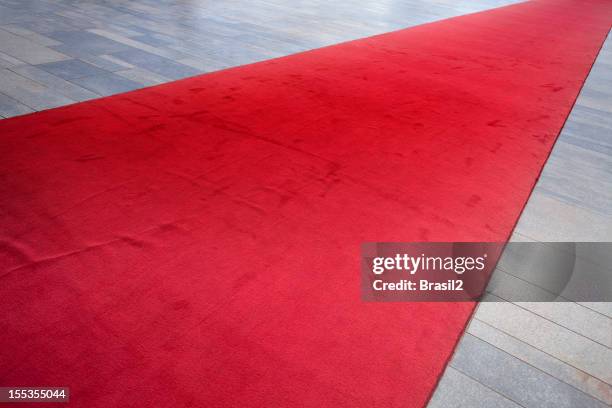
(197, 243)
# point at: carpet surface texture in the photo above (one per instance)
(198, 243)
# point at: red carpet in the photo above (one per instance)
(198, 243)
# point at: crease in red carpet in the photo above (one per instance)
(197, 243)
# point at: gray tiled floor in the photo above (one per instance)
(107, 84)
(552, 354)
(56, 52)
(515, 380)
(71, 69)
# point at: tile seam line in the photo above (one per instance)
(526, 363)
(578, 303)
(543, 352)
(486, 386)
(587, 259)
(96, 92)
(51, 73)
(15, 58)
(596, 311)
(51, 89)
(20, 102)
(566, 199)
(24, 37)
(565, 300)
(540, 350)
(76, 77)
(549, 320)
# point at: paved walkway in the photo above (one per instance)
(57, 52)
(550, 354)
